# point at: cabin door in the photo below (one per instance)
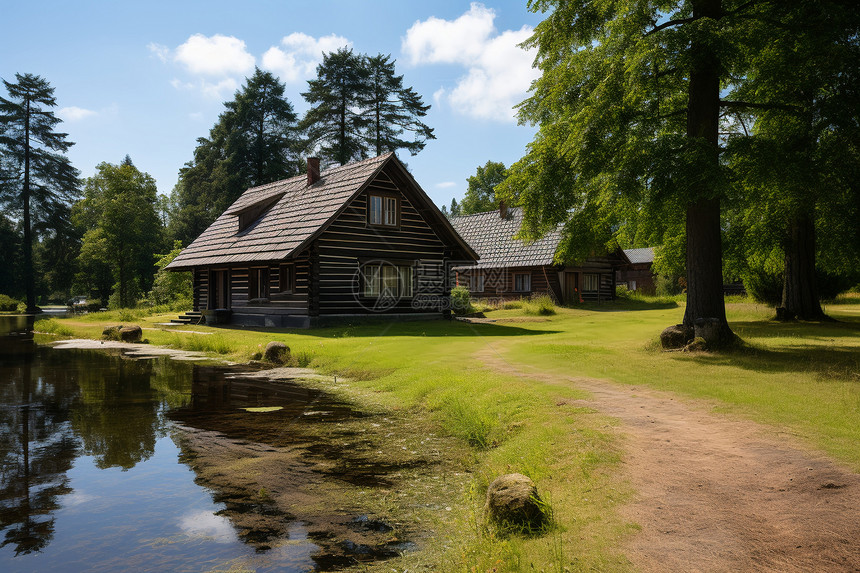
(571, 287)
(220, 289)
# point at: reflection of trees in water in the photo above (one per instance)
(38, 447)
(60, 404)
(119, 414)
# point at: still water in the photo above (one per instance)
(99, 466)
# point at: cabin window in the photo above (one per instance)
(590, 282)
(286, 278)
(383, 210)
(388, 280)
(476, 282)
(522, 282)
(258, 283)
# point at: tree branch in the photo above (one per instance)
(767, 106)
(665, 25)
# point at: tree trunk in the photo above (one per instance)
(29, 275)
(799, 291)
(705, 303)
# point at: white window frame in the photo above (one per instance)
(588, 278)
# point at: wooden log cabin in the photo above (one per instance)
(509, 268)
(358, 240)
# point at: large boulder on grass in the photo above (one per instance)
(513, 502)
(277, 352)
(675, 337)
(111, 332)
(131, 333)
(125, 333)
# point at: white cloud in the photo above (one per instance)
(214, 56)
(161, 51)
(498, 71)
(437, 41)
(445, 185)
(297, 58)
(74, 113)
(215, 63)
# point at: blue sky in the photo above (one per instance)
(148, 78)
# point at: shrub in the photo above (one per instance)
(540, 304)
(8, 304)
(52, 326)
(513, 304)
(621, 291)
(669, 286)
(461, 300)
(764, 286)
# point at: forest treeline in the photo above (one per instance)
(107, 237)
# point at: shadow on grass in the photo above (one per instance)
(821, 348)
(621, 304)
(430, 328)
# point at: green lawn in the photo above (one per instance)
(803, 377)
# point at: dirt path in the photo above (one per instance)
(717, 495)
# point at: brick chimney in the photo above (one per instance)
(313, 170)
(503, 209)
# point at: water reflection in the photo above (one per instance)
(99, 451)
(58, 406)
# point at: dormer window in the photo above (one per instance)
(383, 210)
(250, 214)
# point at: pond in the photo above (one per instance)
(114, 462)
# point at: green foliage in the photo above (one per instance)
(52, 326)
(392, 109)
(216, 343)
(541, 305)
(764, 285)
(669, 285)
(170, 288)
(359, 107)
(37, 180)
(481, 190)
(8, 304)
(254, 142)
(461, 300)
(796, 163)
(122, 230)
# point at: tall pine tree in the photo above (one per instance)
(38, 179)
(392, 109)
(360, 108)
(254, 142)
(335, 123)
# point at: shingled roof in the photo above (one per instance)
(643, 255)
(492, 237)
(288, 225)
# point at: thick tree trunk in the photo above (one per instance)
(799, 291)
(29, 275)
(705, 303)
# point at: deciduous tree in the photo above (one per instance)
(481, 190)
(122, 227)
